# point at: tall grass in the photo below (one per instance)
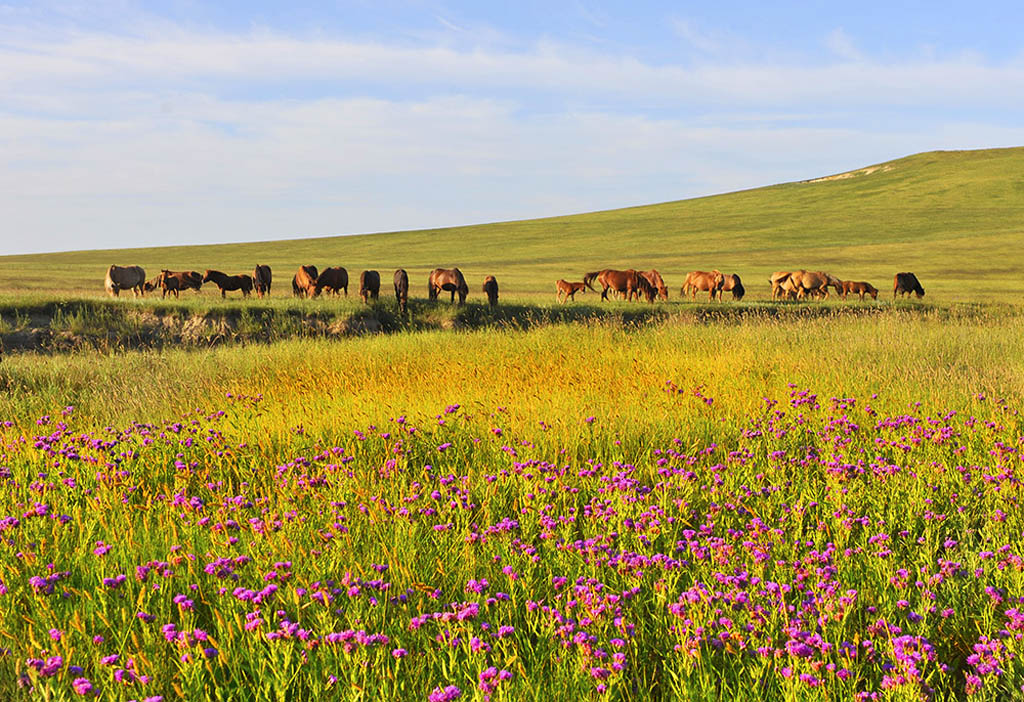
(813, 509)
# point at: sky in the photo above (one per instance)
(128, 124)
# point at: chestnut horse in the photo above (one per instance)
(860, 288)
(448, 279)
(654, 278)
(565, 291)
(703, 280)
(304, 282)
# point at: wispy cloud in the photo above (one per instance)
(203, 135)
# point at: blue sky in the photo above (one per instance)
(134, 124)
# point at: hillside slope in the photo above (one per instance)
(955, 218)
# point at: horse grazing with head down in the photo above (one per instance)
(732, 283)
(229, 282)
(304, 281)
(447, 279)
(697, 281)
(125, 278)
(859, 288)
(333, 279)
(261, 279)
(402, 290)
(491, 290)
(369, 285)
(905, 283)
(654, 278)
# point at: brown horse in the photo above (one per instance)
(703, 280)
(905, 283)
(402, 289)
(654, 278)
(644, 287)
(491, 290)
(860, 288)
(229, 282)
(625, 282)
(449, 279)
(369, 285)
(261, 279)
(176, 281)
(334, 279)
(304, 281)
(125, 278)
(732, 283)
(565, 291)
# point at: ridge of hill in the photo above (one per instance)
(956, 218)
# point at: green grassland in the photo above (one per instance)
(258, 500)
(954, 218)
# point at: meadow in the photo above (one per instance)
(287, 499)
(817, 508)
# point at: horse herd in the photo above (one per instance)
(307, 282)
(630, 284)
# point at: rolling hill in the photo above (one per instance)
(955, 218)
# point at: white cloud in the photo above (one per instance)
(185, 136)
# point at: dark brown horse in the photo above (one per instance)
(369, 285)
(905, 283)
(654, 278)
(333, 279)
(229, 282)
(450, 280)
(860, 288)
(176, 281)
(304, 282)
(565, 291)
(491, 290)
(261, 279)
(402, 290)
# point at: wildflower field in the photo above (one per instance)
(822, 508)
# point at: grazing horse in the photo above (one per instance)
(732, 283)
(450, 279)
(904, 283)
(334, 279)
(491, 290)
(176, 281)
(565, 291)
(125, 278)
(781, 285)
(304, 281)
(229, 282)
(402, 289)
(804, 281)
(261, 279)
(654, 278)
(625, 282)
(369, 285)
(703, 280)
(860, 288)
(151, 284)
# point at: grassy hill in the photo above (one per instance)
(954, 218)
